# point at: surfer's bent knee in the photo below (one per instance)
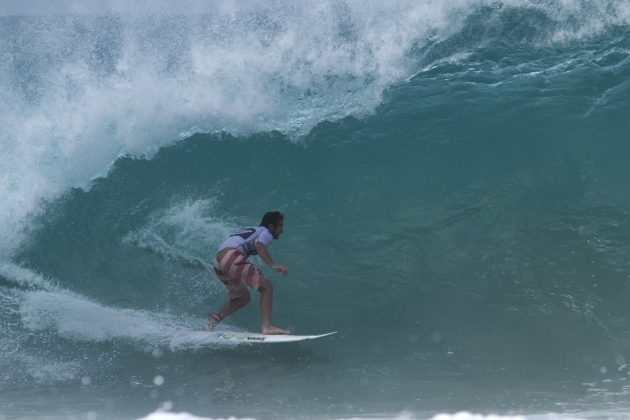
(241, 299)
(265, 285)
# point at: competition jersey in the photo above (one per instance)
(245, 239)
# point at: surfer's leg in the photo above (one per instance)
(238, 296)
(216, 318)
(266, 303)
(235, 302)
(255, 279)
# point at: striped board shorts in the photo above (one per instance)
(235, 272)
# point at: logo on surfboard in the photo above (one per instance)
(260, 338)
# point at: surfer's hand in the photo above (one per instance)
(280, 269)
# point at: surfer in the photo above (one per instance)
(237, 273)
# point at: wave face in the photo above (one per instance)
(454, 179)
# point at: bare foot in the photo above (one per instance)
(210, 326)
(273, 331)
(212, 323)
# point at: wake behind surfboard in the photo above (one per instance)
(247, 337)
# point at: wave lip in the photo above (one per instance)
(80, 90)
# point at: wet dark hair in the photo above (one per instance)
(272, 218)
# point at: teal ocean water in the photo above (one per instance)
(454, 178)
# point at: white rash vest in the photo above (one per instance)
(245, 239)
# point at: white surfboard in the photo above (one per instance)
(248, 337)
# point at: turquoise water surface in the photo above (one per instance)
(454, 178)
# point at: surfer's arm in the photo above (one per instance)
(263, 253)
